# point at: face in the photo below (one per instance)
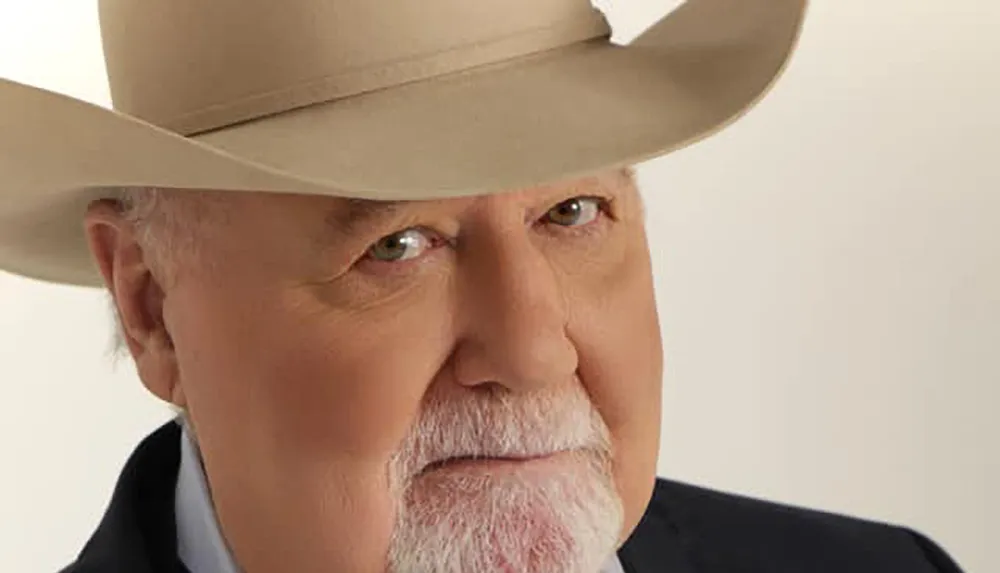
(468, 384)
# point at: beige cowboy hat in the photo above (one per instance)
(377, 99)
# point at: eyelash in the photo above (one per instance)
(437, 240)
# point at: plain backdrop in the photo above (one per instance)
(828, 275)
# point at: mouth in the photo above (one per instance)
(486, 462)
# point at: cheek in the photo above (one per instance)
(615, 327)
(314, 401)
(311, 381)
(617, 333)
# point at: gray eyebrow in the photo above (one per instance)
(354, 214)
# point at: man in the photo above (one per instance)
(389, 262)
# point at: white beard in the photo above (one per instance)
(506, 522)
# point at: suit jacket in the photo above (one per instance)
(685, 529)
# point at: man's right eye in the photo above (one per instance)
(404, 245)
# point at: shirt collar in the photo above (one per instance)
(200, 545)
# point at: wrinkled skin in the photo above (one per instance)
(305, 355)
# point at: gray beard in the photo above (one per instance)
(511, 522)
(560, 524)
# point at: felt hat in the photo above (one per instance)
(376, 99)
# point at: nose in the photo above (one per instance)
(513, 318)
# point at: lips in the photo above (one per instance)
(457, 462)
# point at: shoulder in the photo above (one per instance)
(719, 531)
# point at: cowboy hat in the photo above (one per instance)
(376, 99)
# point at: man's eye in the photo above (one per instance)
(401, 246)
(576, 212)
(413, 243)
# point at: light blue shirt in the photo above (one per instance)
(200, 545)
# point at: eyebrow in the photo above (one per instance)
(356, 215)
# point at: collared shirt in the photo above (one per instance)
(200, 545)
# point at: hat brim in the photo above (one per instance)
(552, 116)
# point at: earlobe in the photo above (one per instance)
(137, 294)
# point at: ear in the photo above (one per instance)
(139, 296)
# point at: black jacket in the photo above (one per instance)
(685, 530)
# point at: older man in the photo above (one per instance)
(389, 262)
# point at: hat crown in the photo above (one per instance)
(197, 65)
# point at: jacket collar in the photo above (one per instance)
(138, 533)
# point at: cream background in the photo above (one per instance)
(828, 274)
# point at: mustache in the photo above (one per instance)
(497, 423)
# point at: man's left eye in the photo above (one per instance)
(576, 212)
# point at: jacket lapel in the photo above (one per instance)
(137, 533)
(656, 545)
